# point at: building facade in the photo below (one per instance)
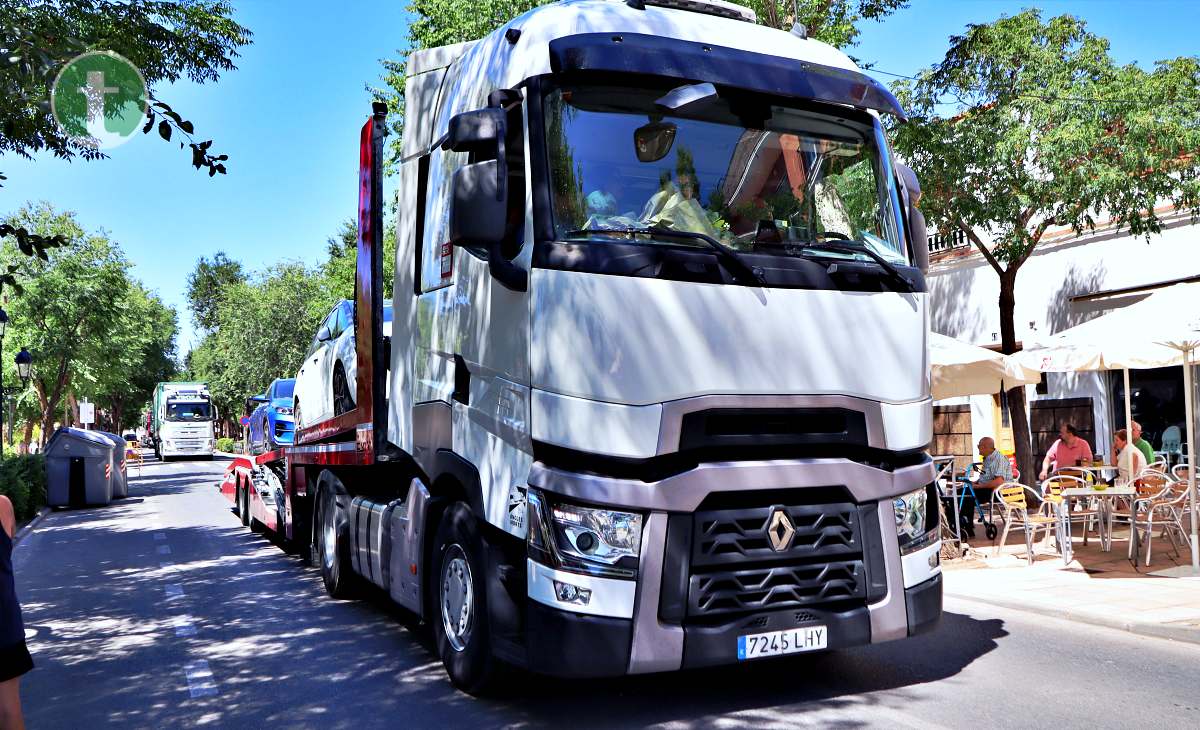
(1068, 280)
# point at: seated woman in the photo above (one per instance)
(1126, 457)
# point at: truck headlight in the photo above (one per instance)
(580, 539)
(916, 519)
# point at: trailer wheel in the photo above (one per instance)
(333, 547)
(458, 590)
(244, 506)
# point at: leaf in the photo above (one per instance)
(149, 122)
(222, 158)
(164, 130)
(212, 170)
(186, 126)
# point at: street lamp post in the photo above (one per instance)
(24, 370)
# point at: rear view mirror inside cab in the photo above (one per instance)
(653, 141)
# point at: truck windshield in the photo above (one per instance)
(189, 412)
(754, 174)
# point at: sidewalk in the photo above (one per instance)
(1096, 588)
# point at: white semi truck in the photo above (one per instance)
(656, 390)
(182, 420)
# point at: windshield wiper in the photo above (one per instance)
(852, 248)
(737, 266)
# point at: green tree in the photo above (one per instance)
(342, 250)
(166, 40)
(138, 353)
(264, 328)
(1048, 131)
(444, 22)
(208, 283)
(64, 314)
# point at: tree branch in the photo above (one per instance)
(979, 245)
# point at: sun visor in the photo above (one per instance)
(688, 60)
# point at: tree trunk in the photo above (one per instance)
(1016, 397)
(28, 437)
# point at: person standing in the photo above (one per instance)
(1068, 450)
(1140, 443)
(14, 656)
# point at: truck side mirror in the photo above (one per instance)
(916, 219)
(479, 201)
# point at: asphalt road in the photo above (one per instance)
(162, 610)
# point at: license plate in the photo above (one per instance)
(775, 643)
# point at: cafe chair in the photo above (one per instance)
(1165, 502)
(1052, 499)
(1011, 500)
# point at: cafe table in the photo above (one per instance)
(1105, 496)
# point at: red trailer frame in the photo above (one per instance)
(357, 437)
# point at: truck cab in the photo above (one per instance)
(660, 325)
(183, 420)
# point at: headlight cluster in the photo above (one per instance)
(284, 411)
(916, 519)
(582, 539)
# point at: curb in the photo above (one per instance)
(28, 528)
(1188, 634)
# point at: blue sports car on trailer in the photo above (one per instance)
(271, 423)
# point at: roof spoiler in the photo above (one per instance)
(692, 61)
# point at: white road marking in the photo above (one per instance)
(174, 590)
(164, 549)
(200, 679)
(166, 565)
(160, 536)
(184, 626)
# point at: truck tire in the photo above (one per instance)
(459, 595)
(333, 547)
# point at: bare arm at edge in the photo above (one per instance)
(8, 519)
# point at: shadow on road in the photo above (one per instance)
(114, 619)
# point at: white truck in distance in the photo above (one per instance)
(658, 394)
(182, 421)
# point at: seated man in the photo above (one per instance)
(1140, 443)
(996, 470)
(1069, 450)
(1126, 457)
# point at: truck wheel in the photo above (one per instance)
(459, 615)
(333, 547)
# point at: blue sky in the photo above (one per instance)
(288, 119)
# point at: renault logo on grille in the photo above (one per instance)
(780, 530)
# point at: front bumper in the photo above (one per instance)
(567, 644)
(659, 625)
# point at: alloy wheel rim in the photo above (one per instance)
(328, 539)
(458, 598)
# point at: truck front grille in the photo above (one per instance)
(760, 589)
(747, 559)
